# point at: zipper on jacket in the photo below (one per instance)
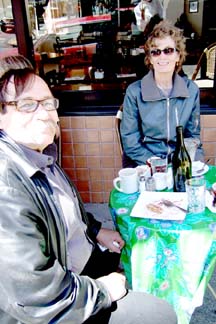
(168, 125)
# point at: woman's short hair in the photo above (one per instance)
(163, 29)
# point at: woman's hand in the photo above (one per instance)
(110, 239)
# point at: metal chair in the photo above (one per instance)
(117, 128)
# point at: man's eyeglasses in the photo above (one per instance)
(166, 51)
(31, 105)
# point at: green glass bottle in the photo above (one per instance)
(181, 162)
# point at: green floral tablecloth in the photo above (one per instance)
(173, 260)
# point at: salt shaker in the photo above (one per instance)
(150, 184)
(142, 186)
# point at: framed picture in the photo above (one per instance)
(193, 6)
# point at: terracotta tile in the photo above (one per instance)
(94, 162)
(107, 136)
(107, 149)
(67, 149)
(67, 162)
(95, 174)
(97, 197)
(80, 162)
(82, 174)
(107, 162)
(79, 149)
(208, 121)
(92, 122)
(209, 134)
(97, 186)
(85, 197)
(82, 185)
(79, 136)
(66, 136)
(71, 173)
(108, 174)
(106, 197)
(118, 163)
(106, 122)
(65, 122)
(201, 134)
(77, 122)
(93, 149)
(108, 186)
(92, 136)
(210, 148)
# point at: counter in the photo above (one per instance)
(104, 98)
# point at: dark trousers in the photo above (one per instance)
(127, 162)
(101, 263)
(135, 307)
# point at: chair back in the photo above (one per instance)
(208, 54)
(117, 127)
(210, 57)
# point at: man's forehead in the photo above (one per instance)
(10, 91)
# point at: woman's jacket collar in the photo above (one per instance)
(150, 91)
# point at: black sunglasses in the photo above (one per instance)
(166, 51)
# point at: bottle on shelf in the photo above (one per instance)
(181, 162)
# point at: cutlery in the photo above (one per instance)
(203, 167)
(169, 203)
(213, 194)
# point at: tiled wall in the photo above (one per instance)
(91, 156)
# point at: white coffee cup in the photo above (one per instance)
(160, 180)
(127, 181)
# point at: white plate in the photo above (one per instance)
(197, 165)
(150, 205)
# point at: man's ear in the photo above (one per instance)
(57, 134)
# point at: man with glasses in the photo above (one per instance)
(52, 270)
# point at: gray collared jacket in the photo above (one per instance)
(150, 118)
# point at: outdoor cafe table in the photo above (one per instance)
(173, 260)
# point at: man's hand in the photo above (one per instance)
(115, 284)
(110, 239)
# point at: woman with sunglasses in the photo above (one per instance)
(161, 100)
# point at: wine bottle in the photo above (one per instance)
(181, 162)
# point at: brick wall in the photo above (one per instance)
(91, 156)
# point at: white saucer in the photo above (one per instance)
(197, 165)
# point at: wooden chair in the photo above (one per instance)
(206, 64)
(212, 290)
(117, 128)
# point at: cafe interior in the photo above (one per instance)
(89, 52)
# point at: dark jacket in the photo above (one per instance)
(149, 118)
(35, 284)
